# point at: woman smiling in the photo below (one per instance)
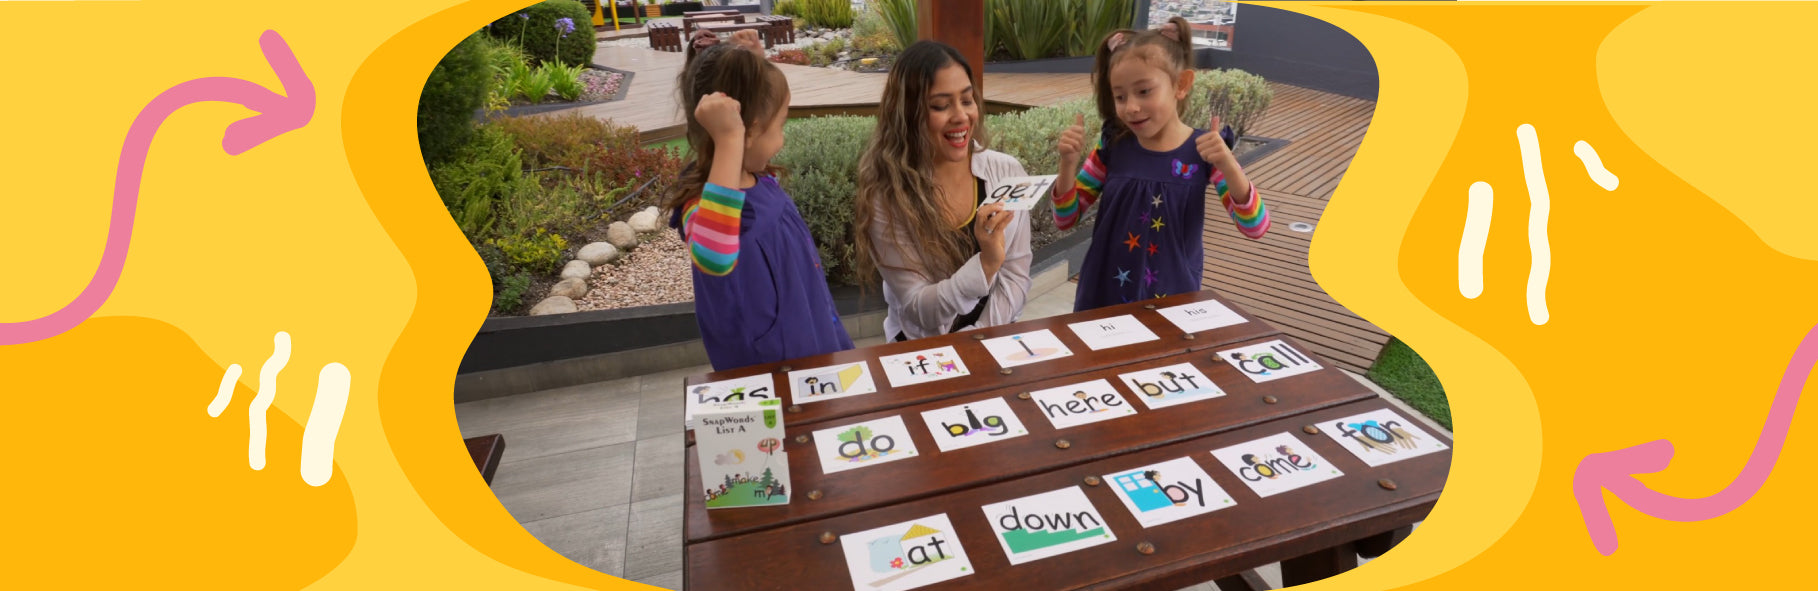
(946, 263)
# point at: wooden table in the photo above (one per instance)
(1315, 531)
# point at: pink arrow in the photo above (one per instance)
(1614, 470)
(277, 115)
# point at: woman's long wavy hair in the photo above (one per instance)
(755, 83)
(1154, 46)
(896, 173)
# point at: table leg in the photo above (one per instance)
(1318, 565)
(1379, 544)
(1244, 581)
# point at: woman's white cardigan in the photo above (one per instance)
(920, 307)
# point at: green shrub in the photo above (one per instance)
(831, 14)
(898, 17)
(540, 252)
(556, 207)
(820, 162)
(1037, 29)
(509, 285)
(598, 155)
(509, 66)
(482, 174)
(538, 35)
(516, 79)
(1239, 97)
(1101, 17)
(787, 8)
(566, 80)
(508, 294)
(456, 88)
(1031, 29)
(536, 87)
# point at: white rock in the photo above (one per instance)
(622, 236)
(644, 221)
(553, 305)
(577, 270)
(598, 253)
(573, 289)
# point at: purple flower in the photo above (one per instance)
(524, 15)
(565, 25)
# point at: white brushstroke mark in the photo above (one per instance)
(324, 424)
(268, 390)
(1540, 205)
(1594, 166)
(225, 393)
(1476, 233)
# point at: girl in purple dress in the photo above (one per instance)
(1149, 172)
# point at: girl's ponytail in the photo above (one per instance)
(754, 82)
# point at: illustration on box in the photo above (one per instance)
(863, 444)
(828, 383)
(976, 423)
(1269, 361)
(1380, 437)
(1171, 385)
(923, 366)
(1169, 491)
(1027, 348)
(758, 387)
(1116, 331)
(1276, 464)
(1079, 404)
(1049, 524)
(1201, 316)
(906, 555)
(739, 446)
(1020, 193)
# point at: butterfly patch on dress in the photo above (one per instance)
(1184, 170)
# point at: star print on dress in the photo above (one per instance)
(1134, 242)
(1149, 276)
(1152, 249)
(1157, 201)
(1145, 217)
(1123, 276)
(1157, 224)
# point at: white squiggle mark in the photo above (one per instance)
(324, 424)
(1476, 233)
(1540, 205)
(268, 390)
(1594, 166)
(225, 393)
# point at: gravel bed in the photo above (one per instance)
(656, 272)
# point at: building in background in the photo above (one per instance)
(1214, 21)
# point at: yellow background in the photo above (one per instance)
(1675, 300)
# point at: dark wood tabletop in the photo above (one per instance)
(1311, 529)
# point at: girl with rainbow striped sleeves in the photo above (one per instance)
(759, 292)
(1149, 173)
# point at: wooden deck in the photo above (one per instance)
(1270, 276)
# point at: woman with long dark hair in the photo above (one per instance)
(946, 263)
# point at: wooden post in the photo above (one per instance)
(960, 23)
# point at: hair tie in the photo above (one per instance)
(1171, 30)
(704, 38)
(1115, 40)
